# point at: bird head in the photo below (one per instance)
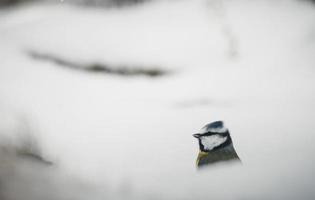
(213, 136)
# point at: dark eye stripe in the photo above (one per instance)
(214, 133)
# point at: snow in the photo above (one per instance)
(248, 63)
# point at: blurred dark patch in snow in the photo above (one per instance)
(13, 2)
(22, 143)
(28, 179)
(90, 3)
(29, 149)
(26, 175)
(220, 11)
(22, 179)
(105, 3)
(233, 50)
(101, 68)
(310, 0)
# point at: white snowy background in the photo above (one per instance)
(113, 136)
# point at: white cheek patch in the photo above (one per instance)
(212, 141)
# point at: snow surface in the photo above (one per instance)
(249, 63)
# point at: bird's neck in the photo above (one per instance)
(225, 154)
(201, 155)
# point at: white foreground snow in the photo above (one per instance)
(248, 63)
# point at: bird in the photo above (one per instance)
(215, 145)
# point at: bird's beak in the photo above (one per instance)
(197, 135)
